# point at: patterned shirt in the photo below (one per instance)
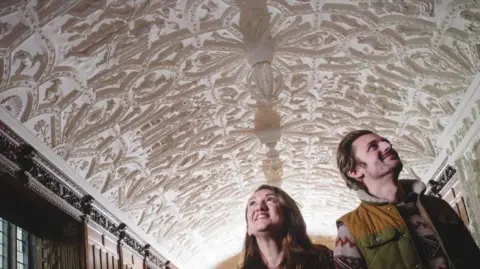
(348, 256)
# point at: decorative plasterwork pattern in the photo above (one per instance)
(463, 127)
(148, 100)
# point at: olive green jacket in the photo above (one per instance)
(384, 240)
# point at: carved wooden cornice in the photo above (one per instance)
(20, 160)
(440, 180)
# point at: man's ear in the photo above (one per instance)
(356, 174)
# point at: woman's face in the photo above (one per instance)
(264, 213)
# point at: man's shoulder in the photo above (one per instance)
(433, 200)
(348, 215)
(437, 206)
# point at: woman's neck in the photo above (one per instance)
(271, 250)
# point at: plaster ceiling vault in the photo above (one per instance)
(155, 103)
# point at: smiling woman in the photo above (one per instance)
(276, 235)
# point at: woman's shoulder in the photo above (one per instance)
(325, 255)
(321, 248)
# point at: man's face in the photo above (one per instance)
(375, 158)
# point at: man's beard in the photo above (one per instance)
(395, 170)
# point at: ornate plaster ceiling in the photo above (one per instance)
(149, 101)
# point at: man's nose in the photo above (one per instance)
(385, 146)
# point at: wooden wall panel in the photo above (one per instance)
(131, 260)
(69, 256)
(102, 252)
(53, 255)
(453, 194)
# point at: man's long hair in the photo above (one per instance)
(298, 250)
(346, 160)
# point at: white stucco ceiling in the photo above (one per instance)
(148, 100)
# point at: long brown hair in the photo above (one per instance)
(298, 250)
